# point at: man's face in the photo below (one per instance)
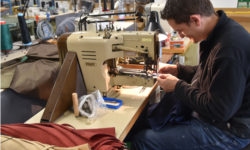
(192, 31)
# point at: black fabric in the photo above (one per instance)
(220, 87)
(18, 108)
(169, 111)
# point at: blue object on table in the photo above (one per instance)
(113, 100)
(48, 17)
(169, 62)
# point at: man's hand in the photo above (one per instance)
(168, 69)
(167, 82)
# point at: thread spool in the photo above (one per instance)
(112, 5)
(43, 4)
(63, 10)
(6, 42)
(50, 3)
(105, 5)
(56, 4)
(16, 3)
(24, 30)
(22, 1)
(34, 2)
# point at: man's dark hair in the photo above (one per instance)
(181, 10)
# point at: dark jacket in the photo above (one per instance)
(220, 85)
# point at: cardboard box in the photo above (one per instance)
(177, 44)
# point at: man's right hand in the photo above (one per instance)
(168, 69)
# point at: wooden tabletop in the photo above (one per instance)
(51, 16)
(167, 49)
(3, 9)
(232, 9)
(122, 119)
(52, 41)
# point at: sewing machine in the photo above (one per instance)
(97, 55)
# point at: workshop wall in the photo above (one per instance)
(224, 3)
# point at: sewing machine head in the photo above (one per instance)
(98, 55)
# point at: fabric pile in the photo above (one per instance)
(64, 135)
(11, 143)
(34, 76)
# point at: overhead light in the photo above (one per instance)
(162, 37)
(154, 24)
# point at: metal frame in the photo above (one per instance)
(84, 20)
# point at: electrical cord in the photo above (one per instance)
(140, 6)
(143, 9)
(44, 32)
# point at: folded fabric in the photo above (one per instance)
(64, 135)
(11, 143)
(44, 50)
(38, 71)
(168, 111)
(36, 78)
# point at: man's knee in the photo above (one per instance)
(138, 141)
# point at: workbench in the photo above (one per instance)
(167, 53)
(3, 9)
(51, 16)
(122, 119)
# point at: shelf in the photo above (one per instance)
(3, 9)
(9, 5)
(243, 1)
(167, 49)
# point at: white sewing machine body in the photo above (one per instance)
(98, 55)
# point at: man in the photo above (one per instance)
(217, 90)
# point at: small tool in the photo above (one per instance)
(142, 90)
(75, 104)
(156, 75)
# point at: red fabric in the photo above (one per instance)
(64, 135)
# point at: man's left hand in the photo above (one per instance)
(167, 82)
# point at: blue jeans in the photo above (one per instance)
(198, 135)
